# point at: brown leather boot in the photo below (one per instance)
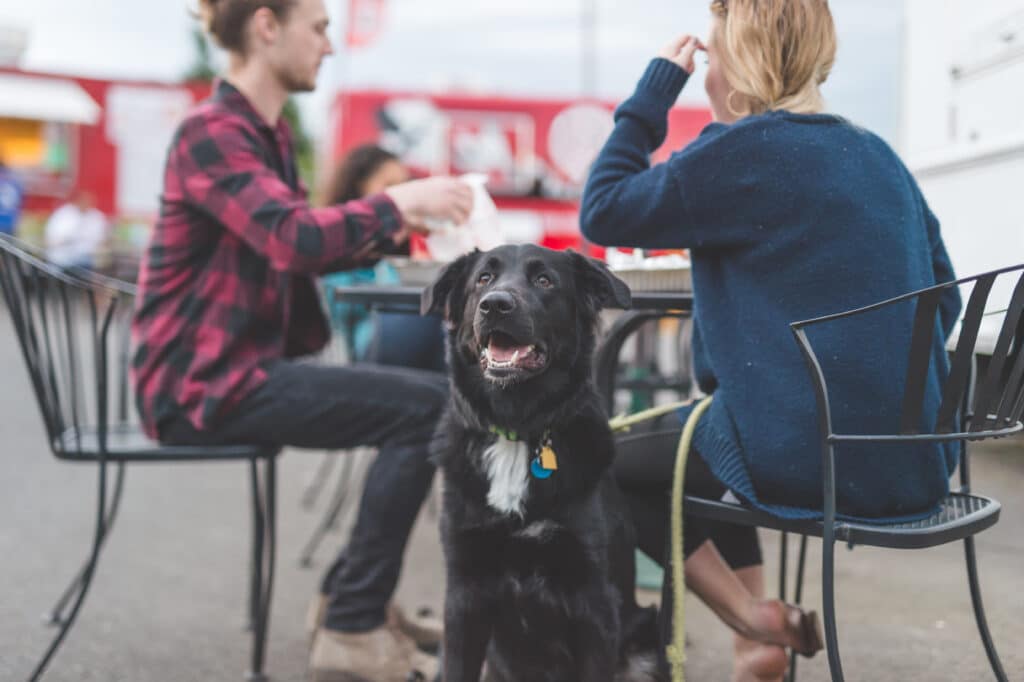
(315, 614)
(425, 628)
(382, 655)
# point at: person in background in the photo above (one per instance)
(11, 192)
(384, 338)
(790, 213)
(227, 310)
(75, 232)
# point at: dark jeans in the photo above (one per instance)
(644, 468)
(315, 406)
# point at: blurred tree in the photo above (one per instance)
(204, 71)
(304, 157)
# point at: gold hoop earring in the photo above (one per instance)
(728, 105)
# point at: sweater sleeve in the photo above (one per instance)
(627, 202)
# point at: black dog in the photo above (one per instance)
(537, 540)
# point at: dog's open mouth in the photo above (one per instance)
(504, 356)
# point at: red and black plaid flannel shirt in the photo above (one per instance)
(227, 281)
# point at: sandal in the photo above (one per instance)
(807, 631)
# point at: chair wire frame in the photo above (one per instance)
(967, 412)
(67, 321)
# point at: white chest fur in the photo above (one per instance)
(506, 464)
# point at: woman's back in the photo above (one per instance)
(789, 216)
(826, 219)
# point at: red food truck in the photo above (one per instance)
(535, 152)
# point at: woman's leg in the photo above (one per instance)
(643, 468)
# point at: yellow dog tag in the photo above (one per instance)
(548, 459)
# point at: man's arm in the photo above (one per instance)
(224, 174)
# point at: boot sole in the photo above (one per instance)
(340, 677)
(352, 677)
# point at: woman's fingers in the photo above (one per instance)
(685, 57)
(681, 51)
(671, 50)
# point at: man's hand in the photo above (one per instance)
(443, 199)
(681, 50)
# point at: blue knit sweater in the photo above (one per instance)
(787, 216)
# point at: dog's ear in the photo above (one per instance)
(597, 283)
(437, 297)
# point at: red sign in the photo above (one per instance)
(536, 153)
(526, 147)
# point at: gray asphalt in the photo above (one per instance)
(167, 604)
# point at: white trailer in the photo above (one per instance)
(962, 129)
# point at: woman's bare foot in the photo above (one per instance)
(774, 622)
(756, 662)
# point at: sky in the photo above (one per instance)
(511, 47)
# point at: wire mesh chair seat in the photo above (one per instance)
(959, 515)
(73, 328)
(128, 443)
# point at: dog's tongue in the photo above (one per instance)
(502, 348)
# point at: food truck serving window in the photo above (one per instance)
(40, 151)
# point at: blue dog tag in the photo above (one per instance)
(538, 470)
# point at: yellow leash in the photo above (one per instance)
(623, 422)
(676, 651)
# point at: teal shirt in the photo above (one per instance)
(354, 321)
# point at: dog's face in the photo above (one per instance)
(519, 311)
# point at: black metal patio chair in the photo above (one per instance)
(967, 413)
(72, 327)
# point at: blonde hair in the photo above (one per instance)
(775, 54)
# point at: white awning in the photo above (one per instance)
(46, 99)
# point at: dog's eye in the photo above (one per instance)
(544, 281)
(485, 278)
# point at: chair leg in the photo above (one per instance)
(90, 569)
(264, 555)
(56, 615)
(316, 482)
(828, 552)
(979, 610)
(797, 598)
(256, 558)
(331, 513)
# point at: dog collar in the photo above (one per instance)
(507, 435)
(544, 461)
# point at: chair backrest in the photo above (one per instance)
(991, 409)
(69, 324)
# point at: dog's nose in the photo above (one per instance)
(497, 303)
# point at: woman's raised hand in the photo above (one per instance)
(681, 51)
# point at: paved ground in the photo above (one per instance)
(167, 604)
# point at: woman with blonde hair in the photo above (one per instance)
(789, 213)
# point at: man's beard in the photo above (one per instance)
(294, 83)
